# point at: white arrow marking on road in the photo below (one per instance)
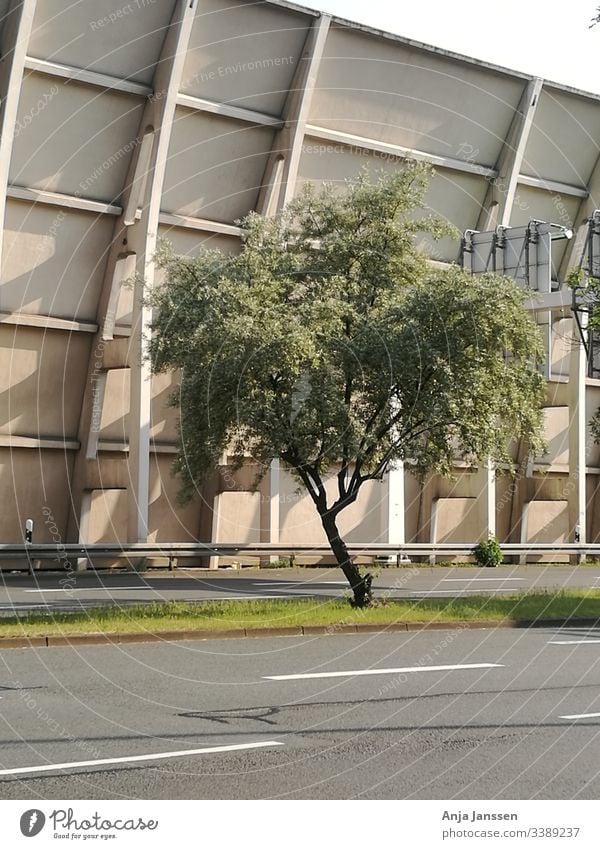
(356, 672)
(135, 758)
(580, 716)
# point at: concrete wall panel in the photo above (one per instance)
(244, 54)
(87, 137)
(41, 381)
(107, 36)
(53, 260)
(397, 93)
(215, 166)
(34, 485)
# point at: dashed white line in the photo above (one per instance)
(90, 589)
(478, 580)
(581, 716)
(186, 753)
(462, 592)
(571, 642)
(401, 669)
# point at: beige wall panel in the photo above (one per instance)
(216, 166)
(593, 508)
(300, 522)
(119, 38)
(53, 260)
(548, 487)
(562, 344)
(556, 433)
(506, 493)
(34, 485)
(191, 242)
(563, 144)
(395, 93)
(458, 520)
(108, 516)
(164, 417)
(593, 405)
(547, 521)
(79, 144)
(115, 412)
(412, 496)
(169, 521)
(41, 381)
(123, 311)
(244, 53)
(463, 486)
(239, 517)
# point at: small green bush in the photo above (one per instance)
(488, 553)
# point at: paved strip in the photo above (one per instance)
(137, 758)
(581, 716)
(571, 642)
(356, 672)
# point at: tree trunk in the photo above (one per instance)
(360, 584)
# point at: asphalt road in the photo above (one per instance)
(454, 714)
(85, 590)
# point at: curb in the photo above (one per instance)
(116, 638)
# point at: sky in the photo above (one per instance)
(544, 39)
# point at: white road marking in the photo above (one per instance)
(571, 642)
(580, 716)
(401, 669)
(272, 584)
(136, 758)
(463, 592)
(470, 580)
(244, 597)
(91, 589)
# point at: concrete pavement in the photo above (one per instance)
(446, 714)
(77, 591)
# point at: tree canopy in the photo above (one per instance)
(332, 343)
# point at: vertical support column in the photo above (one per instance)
(161, 116)
(274, 492)
(577, 437)
(578, 375)
(132, 251)
(279, 184)
(490, 499)
(281, 174)
(13, 50)
(497, 210)
(395, 518)
(497, 207)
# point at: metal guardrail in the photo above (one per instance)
(64, 554)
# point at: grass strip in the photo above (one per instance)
(274, 613)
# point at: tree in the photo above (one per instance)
(331, 343)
